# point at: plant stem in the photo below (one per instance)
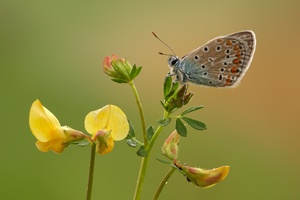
(163, 183)
(144, 165)
(148, 145)
(91, 172)
(139, 104)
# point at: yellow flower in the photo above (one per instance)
(204, 178)
(48, 131)
(106, 125)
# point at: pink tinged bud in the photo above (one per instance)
(106, 64)
(204, 178)
(114, 58)
(170, 147)
(119, 69)
(73, 135)
(107, 67)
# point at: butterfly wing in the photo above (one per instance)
(222, 61)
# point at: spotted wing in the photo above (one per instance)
(222, 61)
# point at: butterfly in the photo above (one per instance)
(221, 62)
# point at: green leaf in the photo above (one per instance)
(172, 90)
(181, 128)
(131, 142)
(117, 80)
(142, 152)
(167, 85)
(138, 70)
(132, 71)
(192, 109)
(150, 132)
(164, 122)
(194, 123)
(174, 87)
(135, 71)
(163, 105)
(131, 132)
(171, 93)
(164, 161)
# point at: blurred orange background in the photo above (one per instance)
(53, 51)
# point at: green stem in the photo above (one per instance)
(91, 172)
(148, 145)
(156, 133)
(139, 104)
(144, 165)
(163, 183)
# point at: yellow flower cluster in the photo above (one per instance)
(106, 125)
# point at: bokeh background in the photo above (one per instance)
(53, 51)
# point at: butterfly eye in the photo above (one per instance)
(174, 62)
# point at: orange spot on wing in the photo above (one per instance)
(228, 81)
(236, 61)
(235, 70)
(238, 54)
(229, 42)
(219, 40)
(236, 47)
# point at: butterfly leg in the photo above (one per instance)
(172, 72)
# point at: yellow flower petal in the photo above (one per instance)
(42, 122)
(55, 145)
(204, 178)
(215, 175)
(110, 118)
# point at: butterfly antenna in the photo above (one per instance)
(164, 44)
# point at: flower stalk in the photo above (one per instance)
(141, 112)
(144, 164)
(91, 172)
(163, 183)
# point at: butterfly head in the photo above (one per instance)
(173, 61)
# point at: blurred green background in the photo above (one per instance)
(53, 51)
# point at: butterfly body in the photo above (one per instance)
(221, 62)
